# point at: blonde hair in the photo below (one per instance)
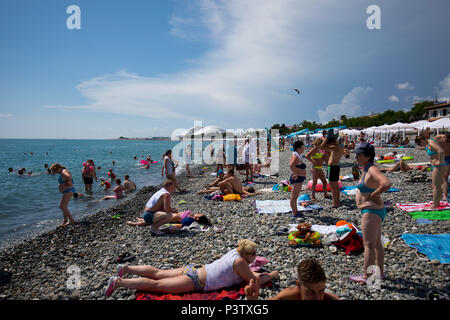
(56, 166)
(245, 246)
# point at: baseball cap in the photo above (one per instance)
(363, 147)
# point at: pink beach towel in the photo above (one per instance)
(412, 207)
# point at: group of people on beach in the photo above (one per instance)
(233, 267)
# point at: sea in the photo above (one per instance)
(29, 205)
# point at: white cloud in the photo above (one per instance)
(257, 50)
(349, 106)
(393, 99)
(444, 89)
(5, 115)
(404, 86)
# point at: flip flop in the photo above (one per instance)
(125, 257)
(182, 202)
(359, 279)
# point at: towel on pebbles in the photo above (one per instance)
(435, 246)
(282, 206)
(425, 206)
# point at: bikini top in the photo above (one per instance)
(60, 179)
(429, 151)
(300, 166)
(362, 187)
(318, 155)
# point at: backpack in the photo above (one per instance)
(351, 242)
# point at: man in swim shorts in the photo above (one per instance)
(158, 210)
(336, 153)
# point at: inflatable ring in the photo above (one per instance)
(315, 236)
(385, 161)
(319, 186)
(144, 162)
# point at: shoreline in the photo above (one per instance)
(39, 268)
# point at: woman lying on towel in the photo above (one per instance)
(184, 219)
(404, 167)
(231, 269)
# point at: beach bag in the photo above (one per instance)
(351, 242)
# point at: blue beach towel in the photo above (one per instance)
(435, 246)
(347, 190)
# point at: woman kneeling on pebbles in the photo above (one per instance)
(372, 184)
(231, 269)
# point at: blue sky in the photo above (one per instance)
(146, 67)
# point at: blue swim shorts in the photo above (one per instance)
(148, 217)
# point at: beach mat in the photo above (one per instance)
(352, 190)
(231, 293)
(283, 206)
(435, 246)
(431, 215)
(413, 207)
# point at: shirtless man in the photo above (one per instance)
(128, 185)
(310, 285)
(158, 210)
(336, 153)
(215, 185)
(233, 185)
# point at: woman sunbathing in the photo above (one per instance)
(403, 167)
(231, 269)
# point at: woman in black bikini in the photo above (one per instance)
(298, 176)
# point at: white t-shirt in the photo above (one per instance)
(155, 197)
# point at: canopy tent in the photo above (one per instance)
(443, 123)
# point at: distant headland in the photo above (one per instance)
(151, 138)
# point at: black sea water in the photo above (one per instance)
(29, 205)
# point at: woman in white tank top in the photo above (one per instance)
(232, 268)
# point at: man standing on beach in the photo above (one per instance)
(158, 210)
(336, 152)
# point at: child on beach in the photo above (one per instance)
(310, 285)
(315, 156)
(336, 152)
(117, 190)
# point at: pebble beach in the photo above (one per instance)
(40, 268)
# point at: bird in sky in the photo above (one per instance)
(296, 90)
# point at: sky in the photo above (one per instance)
(141, 68)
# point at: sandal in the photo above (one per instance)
(125, 257)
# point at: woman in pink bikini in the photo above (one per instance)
(117, 190)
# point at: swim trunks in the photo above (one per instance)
(333, 173)
(88, 180)
(192, 273)
(148, 217)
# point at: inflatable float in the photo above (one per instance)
(319, 186)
